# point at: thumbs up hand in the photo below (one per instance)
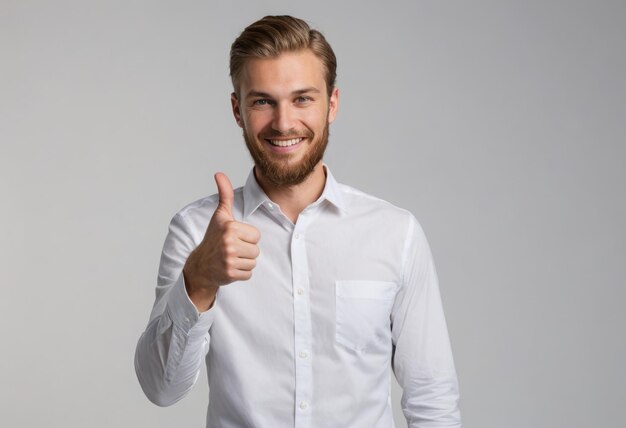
(227, 253)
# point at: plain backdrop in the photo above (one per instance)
(499, 124)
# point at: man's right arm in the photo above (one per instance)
(171, 349)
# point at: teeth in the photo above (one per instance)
(286, 143)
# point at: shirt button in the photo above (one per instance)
(304, 354)
(304, 405)
(270, 206)
(300, 291)
(297, 236)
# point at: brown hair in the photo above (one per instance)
(273, 35)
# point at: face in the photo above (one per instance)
(284, 110)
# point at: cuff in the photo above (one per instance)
(184, 313)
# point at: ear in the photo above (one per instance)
(234, 102)
(333, 105)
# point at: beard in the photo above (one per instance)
(280, 170)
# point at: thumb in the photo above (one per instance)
(226, 194)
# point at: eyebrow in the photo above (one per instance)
(260, 94)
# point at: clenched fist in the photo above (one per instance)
(227, 252)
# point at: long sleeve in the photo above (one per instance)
(422, 360)
(172, 348)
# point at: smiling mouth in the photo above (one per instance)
(285, 143)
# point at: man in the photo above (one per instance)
(299, 292)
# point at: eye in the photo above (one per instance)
(303, 99)
(261, 102)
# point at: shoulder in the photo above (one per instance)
(384, 221)
(200, 205)
(360, 203)
(200, 211)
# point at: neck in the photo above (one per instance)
(293, 199)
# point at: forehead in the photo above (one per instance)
(288, 72)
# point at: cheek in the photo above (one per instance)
(316, 119)
(257, 121)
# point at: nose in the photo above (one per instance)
(283, 119)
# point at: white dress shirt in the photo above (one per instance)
(334, 301)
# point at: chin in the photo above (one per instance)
(287, 169)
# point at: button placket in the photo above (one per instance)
(302, 323)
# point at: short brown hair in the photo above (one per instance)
(273, 35)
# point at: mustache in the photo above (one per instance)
(305, 133)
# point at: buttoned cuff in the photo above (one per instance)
(184, 313)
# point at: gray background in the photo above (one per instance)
(500, 124)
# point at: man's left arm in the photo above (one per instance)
(422, 360)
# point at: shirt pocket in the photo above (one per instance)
(363, 313)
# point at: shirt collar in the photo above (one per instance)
(332, 192)
(254, 196)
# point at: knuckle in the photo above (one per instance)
(228, 239)
(230, 250)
